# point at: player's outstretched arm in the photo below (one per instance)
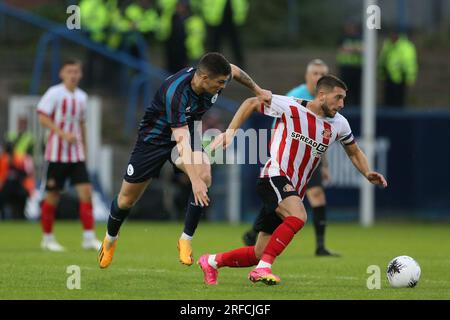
(359, 160)
(199, 188)
(243, 78)
(249, 106)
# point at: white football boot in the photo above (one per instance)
(50, 244)
(91, 244)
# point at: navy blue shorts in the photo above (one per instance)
(272, 191)
(147, 159)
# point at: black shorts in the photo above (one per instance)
(147, 159)
(59, 172)
(272, 191)
(316, 178)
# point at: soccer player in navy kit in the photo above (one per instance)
(168, 122)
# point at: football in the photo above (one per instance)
(403, 272)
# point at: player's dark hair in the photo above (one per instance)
(71, 61)
(329, 82)
(214, 64)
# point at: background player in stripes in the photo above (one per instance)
(315, 189)
(303, 132)
(62, 110)
(177, 107)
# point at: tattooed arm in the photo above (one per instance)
(243, 78)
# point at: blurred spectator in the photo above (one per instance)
(95, 18)
(117, 25)
(95, 21)
(16, 172)
(183, 33)
(349, 60)
(137, 19)
(315, 69)
(195, 34)
(397, 68)
(224, 17)
(131, 23)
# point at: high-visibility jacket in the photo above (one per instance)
(195, 37)
(213, 11)
(21, 143)
(398, 61)
(134, 19)
(145, 20)
(118, 25)
(19, 160)
(167, 8)
(350, 53)
(95, 18)
(194, 27)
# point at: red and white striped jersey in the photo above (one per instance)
(299, 140)
(67, 110)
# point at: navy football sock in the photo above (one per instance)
(320, 221)
(193, 215)
(116, 217)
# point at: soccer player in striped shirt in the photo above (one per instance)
(62, 110)
(167, 126)
(315, 192)
(303, 132)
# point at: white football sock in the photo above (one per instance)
(88, 234)
(184, 236)
(212, 261)
(263, 264)
(49, 237)
(111, 238)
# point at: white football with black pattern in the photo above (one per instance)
(403, 272)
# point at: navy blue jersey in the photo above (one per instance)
(174, 105)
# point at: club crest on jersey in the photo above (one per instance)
(288, 188)
(214, 98)
(318, 148)
(326, 133)
(130, 170)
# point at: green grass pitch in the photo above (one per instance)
(146, 263)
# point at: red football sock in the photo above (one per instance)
(281, 237)
(47, 216)
(86, 216)
(241, 257)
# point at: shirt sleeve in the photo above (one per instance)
(345, 134)
(279, 105)
(47, 103)
(175, 106)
